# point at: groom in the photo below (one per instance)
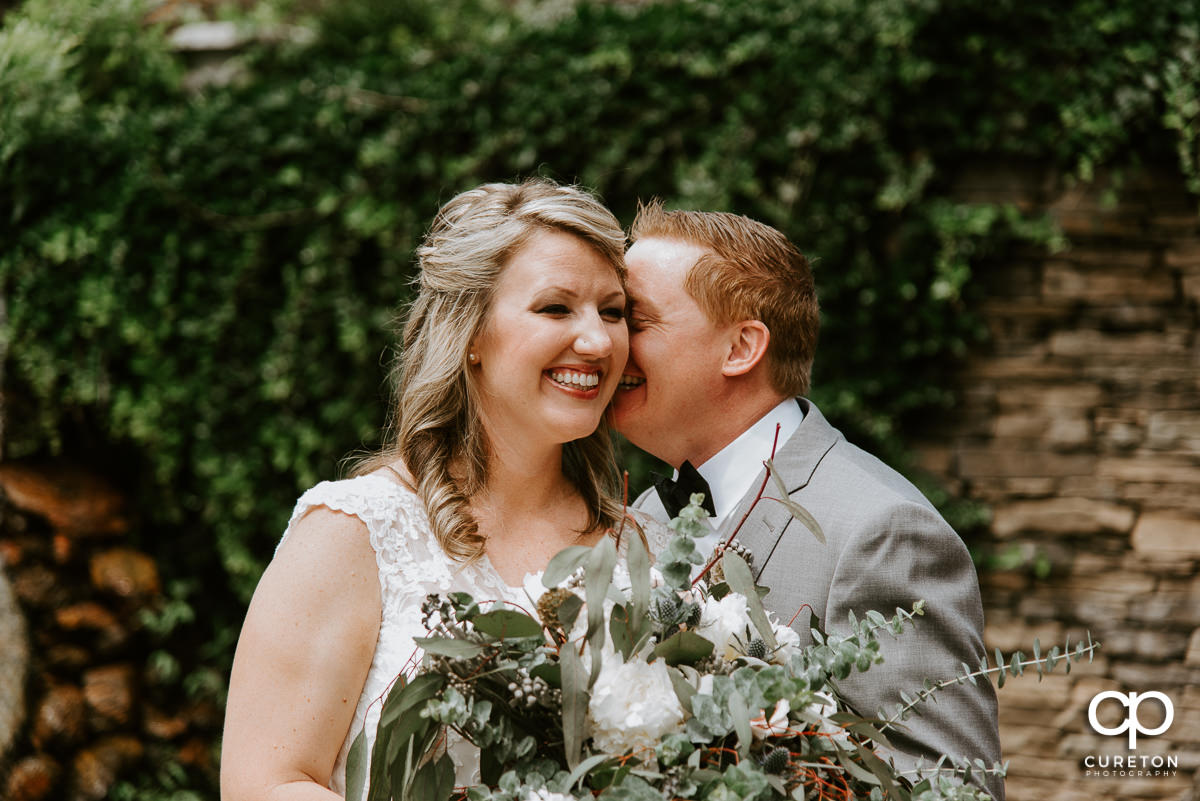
(724, 327)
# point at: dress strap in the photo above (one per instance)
(376, 500)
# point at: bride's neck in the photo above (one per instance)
(519, 481)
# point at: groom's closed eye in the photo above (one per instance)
(637, 318)
(638, 315)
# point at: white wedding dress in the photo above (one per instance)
(411, 566)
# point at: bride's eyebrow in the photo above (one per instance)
(570, 294)
(554, 292)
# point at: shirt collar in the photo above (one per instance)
(731, 472)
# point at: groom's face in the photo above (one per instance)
(673, 378)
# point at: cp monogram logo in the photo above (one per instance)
(1131, 722)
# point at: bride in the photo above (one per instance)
(498, 457)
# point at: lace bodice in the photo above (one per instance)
(411, 566)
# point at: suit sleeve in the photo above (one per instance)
(905, 554)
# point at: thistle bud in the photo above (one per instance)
(757, 648)
(776, 760)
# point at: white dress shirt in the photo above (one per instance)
(731, 472)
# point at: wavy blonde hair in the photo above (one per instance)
(435, 428)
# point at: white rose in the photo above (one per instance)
(721, 621)
(633, 705)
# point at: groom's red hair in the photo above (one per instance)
(752, 272)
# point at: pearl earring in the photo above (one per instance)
(473, 358)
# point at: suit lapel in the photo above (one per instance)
(795, 462)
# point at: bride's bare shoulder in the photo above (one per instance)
(324, 536)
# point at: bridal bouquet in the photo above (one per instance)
(636, 683)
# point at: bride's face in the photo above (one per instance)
(554, 343)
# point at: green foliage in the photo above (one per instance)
(198, 282)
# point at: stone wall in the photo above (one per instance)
(1080, 428)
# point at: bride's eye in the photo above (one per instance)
(614, 314)
(554, 308)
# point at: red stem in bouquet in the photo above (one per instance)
(721, 751)
(720, 549)
(634, 755)
(624, 504)
(835, 790)
(798, 611)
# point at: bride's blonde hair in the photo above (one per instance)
(435, 428)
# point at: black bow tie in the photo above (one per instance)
(677, 493)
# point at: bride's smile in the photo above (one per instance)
(580, 382)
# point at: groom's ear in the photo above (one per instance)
(748, 342)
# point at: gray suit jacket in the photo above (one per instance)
(886, 547)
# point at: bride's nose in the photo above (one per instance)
(592, 338)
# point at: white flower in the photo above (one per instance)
(721, 621)
(829, 707)
(633, 705)
(542, 794)
(788, 641)
(761, 727)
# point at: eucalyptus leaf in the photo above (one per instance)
(433, 781)
(598, 573)
(507, 623)
(863, 728)
(490, 767)
(738, 574)
(574, 708)
(356, 765)
(683, 647)
(550, 672)
(448, 646)
(741, 722)
(583, 767)
(880, 770)
(568, 611)
(563, 564)
(683, 688)
(853, 768)
(638, 561)
(405, 695)
(631, 788)
(798, 511)
(402, 730)
(618, 629)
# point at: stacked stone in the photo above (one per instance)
(1080, 428)
(91, 716)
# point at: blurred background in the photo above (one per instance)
(207, 218)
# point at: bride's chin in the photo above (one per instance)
(573, 430)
